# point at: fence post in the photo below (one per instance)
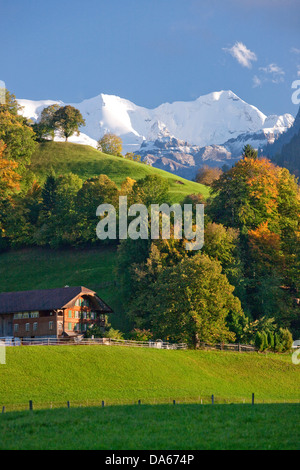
(174, 402)
(139, 402)
(252, 398)
(30, 405)
(103, 404)
(3, 409)
(68, 404)
(212, 399)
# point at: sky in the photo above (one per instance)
(152, 51)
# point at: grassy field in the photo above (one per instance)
(154, 428)
(87, 162)
(86, 375)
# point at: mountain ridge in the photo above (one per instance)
(216, 125)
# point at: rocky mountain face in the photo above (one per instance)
(286, 149)
(273, 148)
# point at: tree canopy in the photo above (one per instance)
(110, 144)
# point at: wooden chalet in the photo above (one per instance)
(51, 313)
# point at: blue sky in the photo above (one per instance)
(152, 51)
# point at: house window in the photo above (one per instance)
(76, 314)
(50, 325)
(35, 326)
(70, 313)
(16, 327)
(27, 327)
(25, 315)
(69, 326)
(34, 315)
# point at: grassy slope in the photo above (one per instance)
(87, 162)
(115, 374)
(154, 428)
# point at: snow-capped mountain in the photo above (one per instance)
(177, 136)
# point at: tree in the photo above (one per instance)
(286, 339)
(262, 200)
(48, 122)
(10, 105)
(110, 144)
(140, 335)
(133, 157)
(9, 178)
(126, 186)
(68, 120)
(49, 196)
(18, 138)
(221, 243)
(152, 189)
(247, 195)
(207, 175)
(189, 302)
(95, 191)
(249, 152)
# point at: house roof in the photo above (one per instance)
(46, 299)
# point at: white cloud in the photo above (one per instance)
(273, 69)
(256, 81)
(295, 50)
(242, 54)
(272, 73)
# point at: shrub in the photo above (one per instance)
(265, 340)
(114, 334)
(271, 342)
(278, 344)
(286, 339)
(141, 335)
(259, 341)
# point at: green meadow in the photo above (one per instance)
(86, 375)
(160, 427)
(87, 162)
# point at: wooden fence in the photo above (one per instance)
(229, 347)
(118, 342)
(95, 341)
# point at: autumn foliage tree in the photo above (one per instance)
(110, 144)
(16, 133)
(262, 200)
(207, 175)
(9, 178)
(9, 183)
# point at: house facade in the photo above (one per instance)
(51, 313)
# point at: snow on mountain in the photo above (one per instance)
(219, 123)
